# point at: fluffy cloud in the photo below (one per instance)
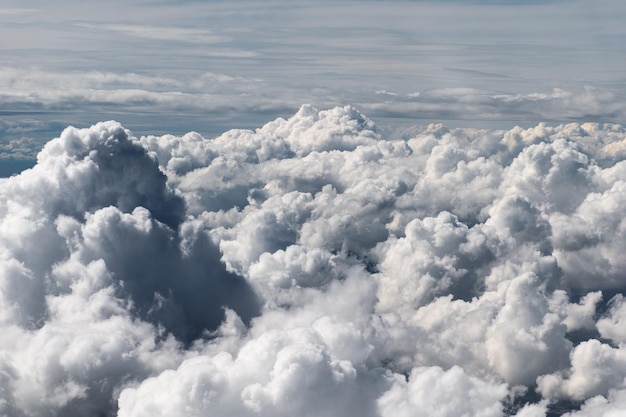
(612, 326)
(428, 393)
(315, 267)
(612, 405)
(279, 373)
(596, 368)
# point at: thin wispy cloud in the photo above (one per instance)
(161, 33)
(16, 11)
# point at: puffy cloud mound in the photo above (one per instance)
(314, 267)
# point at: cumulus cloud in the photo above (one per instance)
(428, 392)
(316, 267)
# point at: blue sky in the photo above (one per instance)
(165, 66)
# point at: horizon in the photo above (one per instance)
(162, 67)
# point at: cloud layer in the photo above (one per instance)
(172, 66)
(314, 267)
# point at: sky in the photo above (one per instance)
(316, 209)
(179, 66)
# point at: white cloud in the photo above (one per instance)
(612, 325)
(16, 11)
(280, 373)
(434, 392)
(613, 404)
(162, 33)
(314, 267)
(596, 368)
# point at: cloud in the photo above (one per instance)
(162, 33)
(586, 103)
(594, 371)
(613, 404)
(500, 63)
(39, 89)
(314, 266)
(16, 11)
(278, 373)
(434, 392)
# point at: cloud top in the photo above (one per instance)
(316, 267)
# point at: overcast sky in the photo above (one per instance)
(175, 66)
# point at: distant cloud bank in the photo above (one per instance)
(173, 66)
(315, 267)
(42, 102)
